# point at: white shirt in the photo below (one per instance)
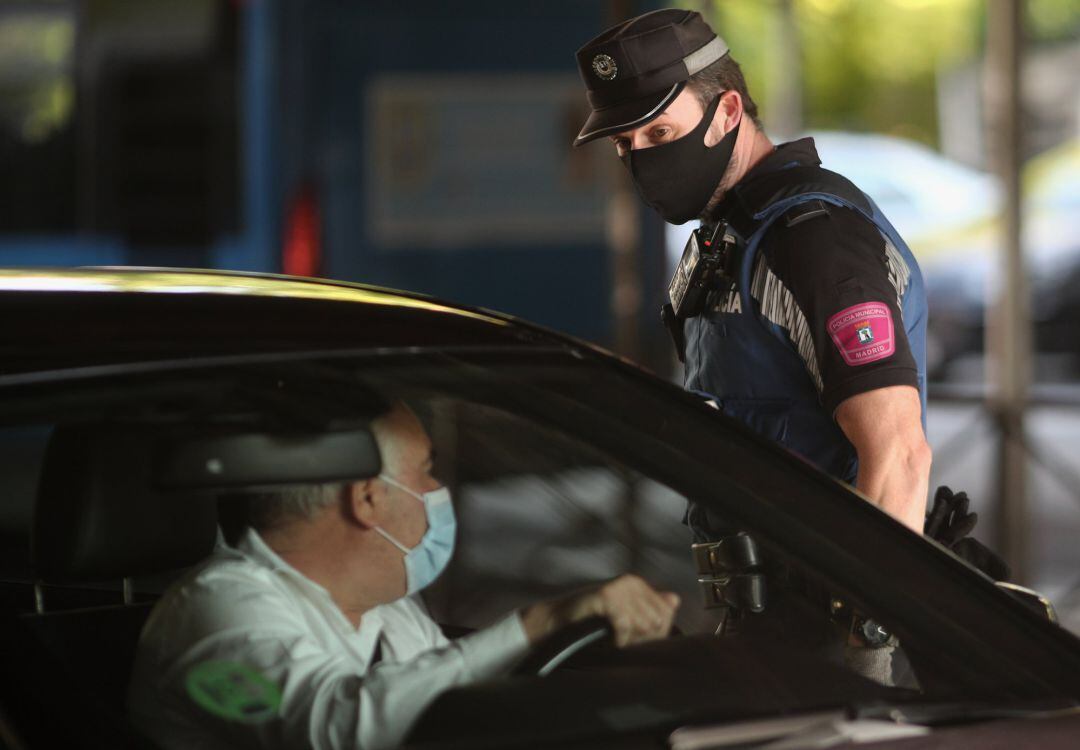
(306, 671)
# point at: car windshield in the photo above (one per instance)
(563, 473)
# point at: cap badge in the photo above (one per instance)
(604, 67)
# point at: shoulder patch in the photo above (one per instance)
(863, 333)
(804, 212)
(233, 691)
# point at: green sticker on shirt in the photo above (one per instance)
(233, 691)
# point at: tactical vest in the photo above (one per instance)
(749, 364)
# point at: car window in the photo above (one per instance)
(22, 449)
(541, 512)
(564, 473)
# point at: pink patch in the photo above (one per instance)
(863, 333)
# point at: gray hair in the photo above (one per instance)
(270, 509)
(274, 508)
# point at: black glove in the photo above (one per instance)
(949, 522)
(973, 551)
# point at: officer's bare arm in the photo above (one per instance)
(885, 426)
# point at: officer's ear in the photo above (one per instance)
(363, 502)
(729, 113)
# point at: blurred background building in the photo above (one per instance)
(425, 145)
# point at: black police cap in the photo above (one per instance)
(634, 70)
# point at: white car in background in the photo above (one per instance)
(926, 196)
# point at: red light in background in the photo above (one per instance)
(302, 251)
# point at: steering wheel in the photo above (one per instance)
(550, 653)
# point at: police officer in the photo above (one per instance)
(814, 334)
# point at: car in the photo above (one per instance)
(928, 197)
(137, 404)
(964, 278)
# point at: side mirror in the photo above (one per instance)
(1031, 599)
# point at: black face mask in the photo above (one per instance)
(678, 178)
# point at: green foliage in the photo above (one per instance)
(1053, 20)
(872, 65)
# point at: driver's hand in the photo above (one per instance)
(637, 612)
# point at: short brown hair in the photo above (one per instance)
(723, 75)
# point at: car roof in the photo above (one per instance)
(65, 317)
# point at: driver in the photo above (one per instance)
(308, 632)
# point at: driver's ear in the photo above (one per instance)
(362, 502)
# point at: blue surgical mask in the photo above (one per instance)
(427, 560)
